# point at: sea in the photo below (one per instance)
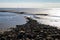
(8, 19)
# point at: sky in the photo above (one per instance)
(29, 3)
(36, 1)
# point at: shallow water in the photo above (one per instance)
(10, 19)
(49, 20)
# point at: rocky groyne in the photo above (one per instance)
(32, 30)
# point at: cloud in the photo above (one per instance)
(29, 5)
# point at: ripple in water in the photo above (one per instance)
(11, 19)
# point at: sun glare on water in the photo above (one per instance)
(55, 15)
(52, 19)
(54, 12)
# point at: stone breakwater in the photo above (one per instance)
(32, 30)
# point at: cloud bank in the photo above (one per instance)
(29, 5)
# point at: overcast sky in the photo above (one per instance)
(29, 3)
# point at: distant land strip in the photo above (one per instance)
(12, 11)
